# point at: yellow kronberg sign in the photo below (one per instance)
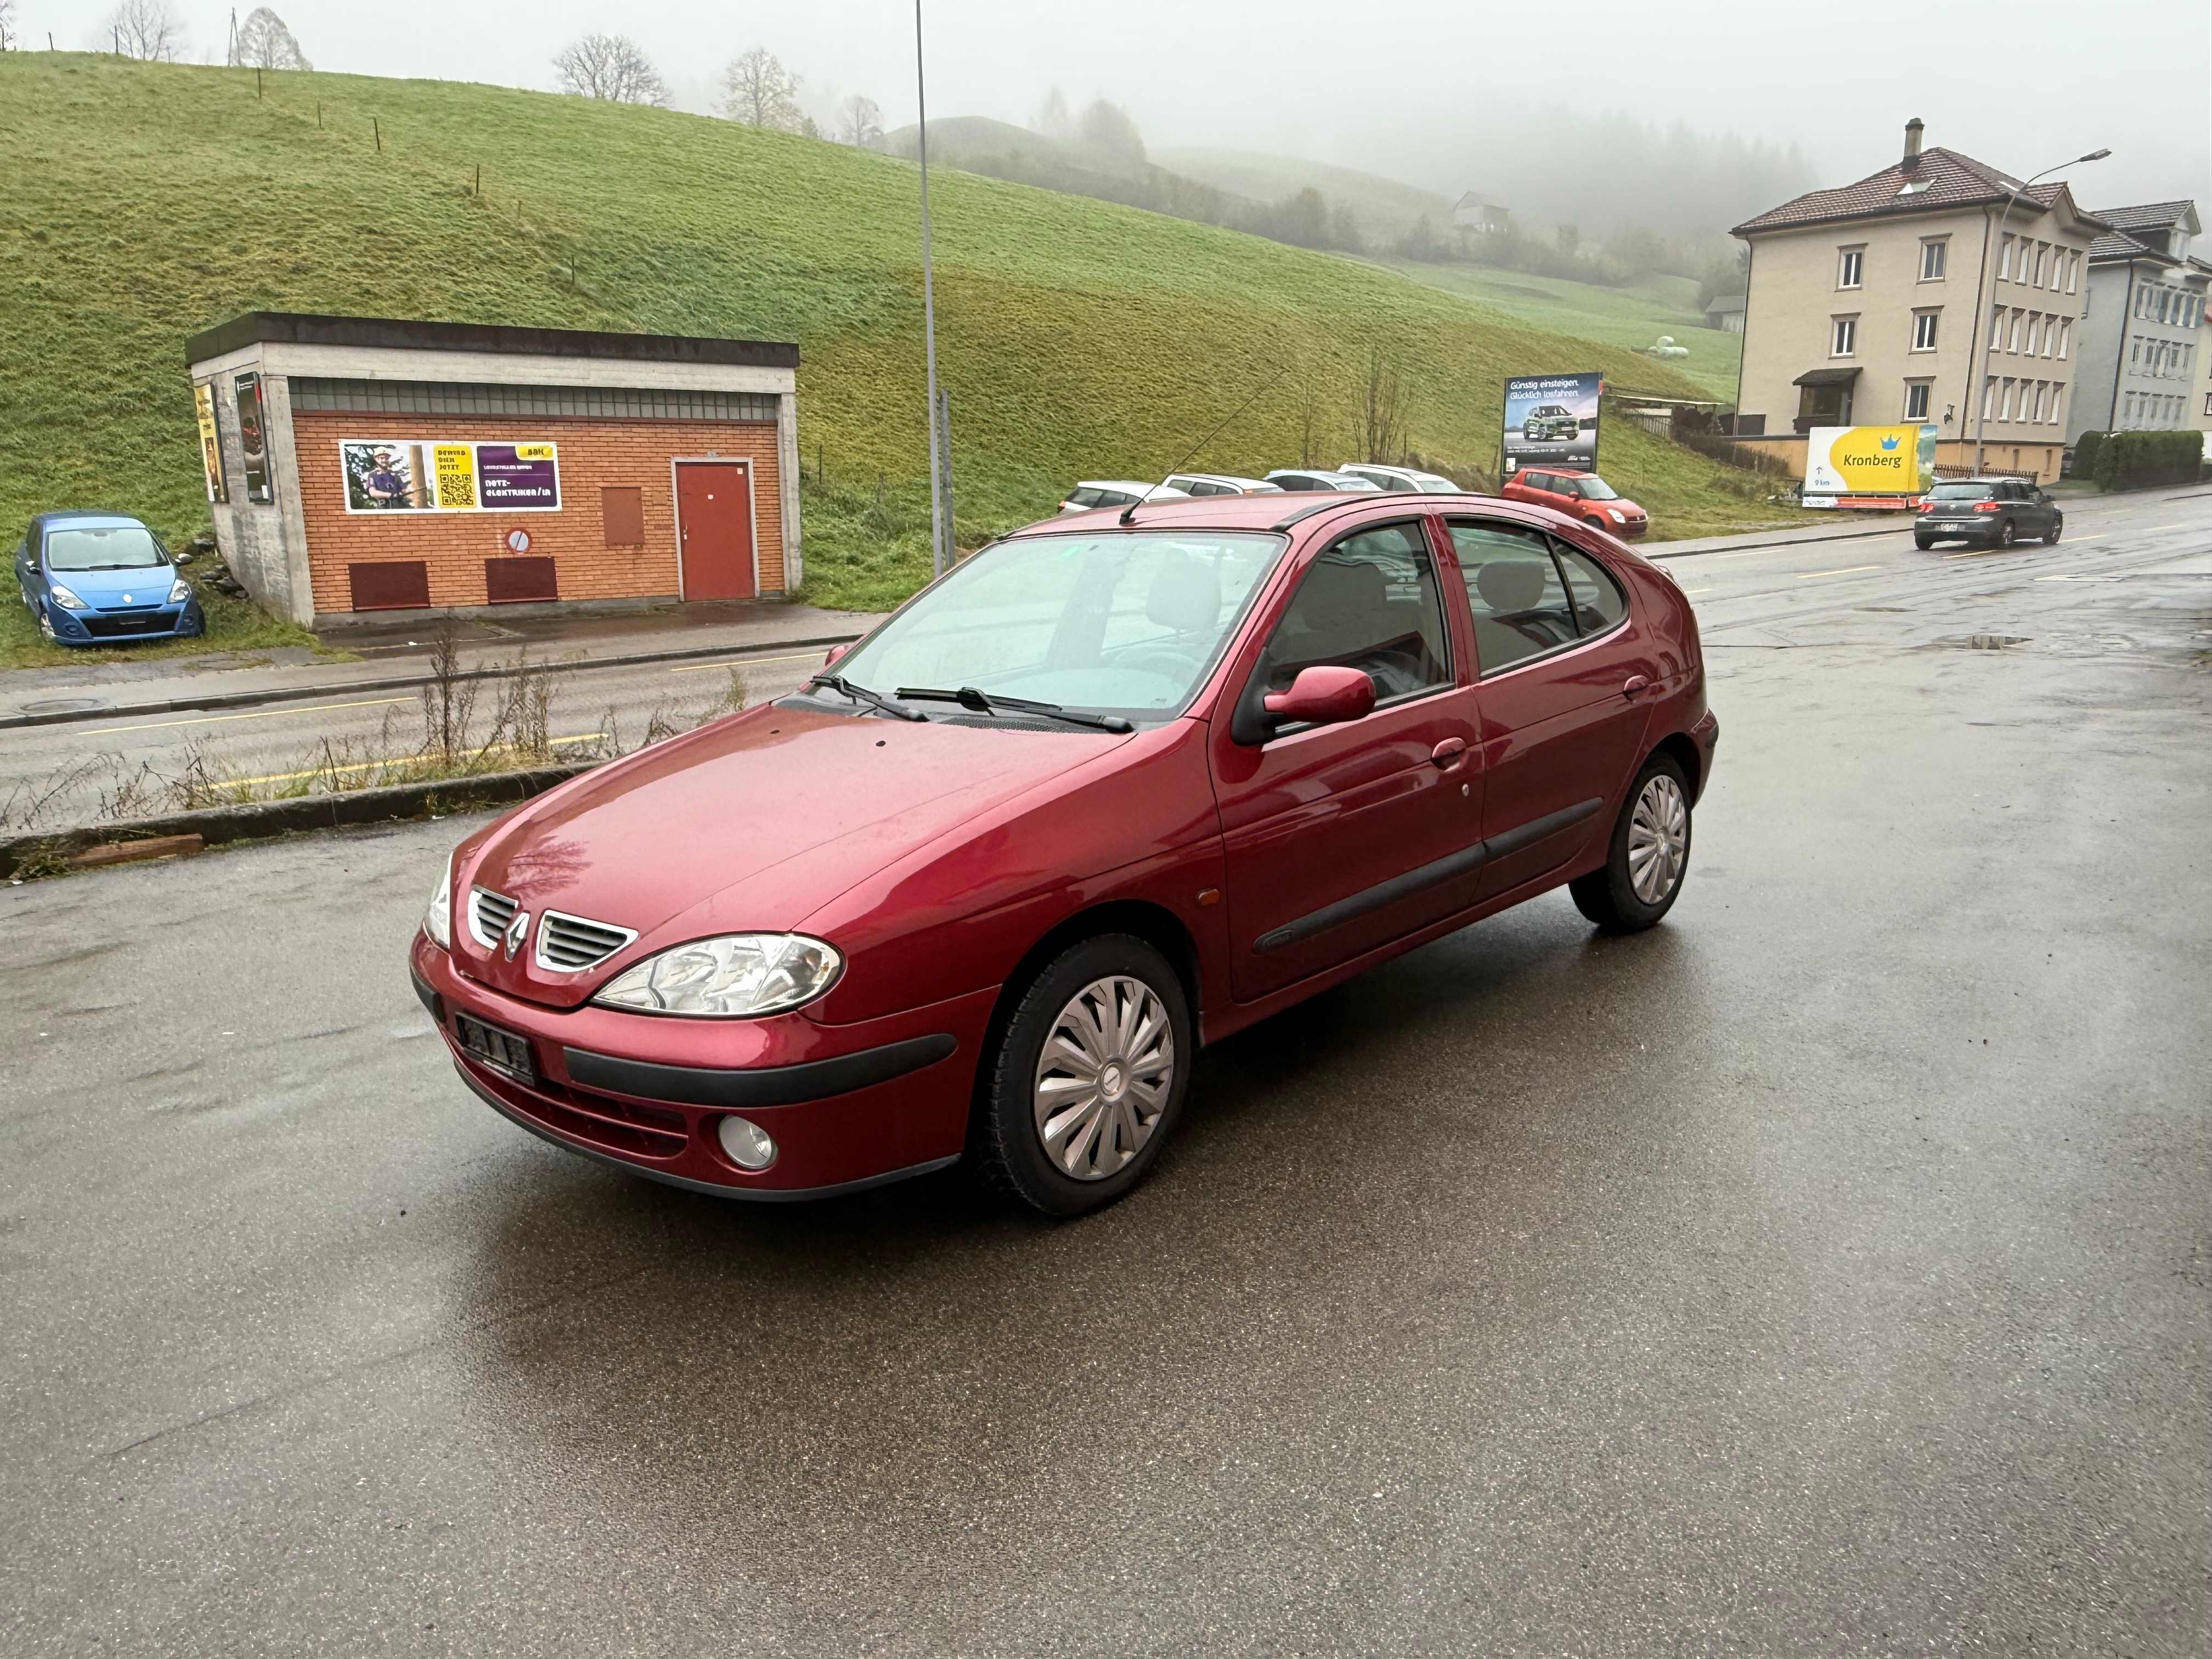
(1879, 461)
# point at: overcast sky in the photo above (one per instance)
(2018, 83)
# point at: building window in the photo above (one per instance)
(2058, 397)
(2041, 386)
(1996, 329)
(2004, 259)
(1915, 400)
(1933, 254)
(1849, 264)
(2004, 410)
(2065, 336)
(1923, 329)
(2034, 330)
(2073, 272)
(2207, 402)
(1989, 396)
(2041, 249)
(2012, 334)
(1845, 337)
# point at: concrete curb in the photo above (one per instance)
(1658, 548)
(44, 854)
(407, 681)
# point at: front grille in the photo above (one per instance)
(117, 624)
(489, 915)
(569, 945)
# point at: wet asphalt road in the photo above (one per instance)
(1826, 1272)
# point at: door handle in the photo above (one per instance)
(1636, 682)
(1447, 754)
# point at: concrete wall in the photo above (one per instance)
(264, 545)
(1796, 297)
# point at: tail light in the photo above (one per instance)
(1987, 507)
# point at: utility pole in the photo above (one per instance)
(940, 548)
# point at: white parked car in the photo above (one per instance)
(1404, 478)
(1117, 492)
(1221, 483)
(1320, 478)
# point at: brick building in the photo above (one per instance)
(362, 465)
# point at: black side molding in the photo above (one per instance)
(429, 998)
(1428, 875)
(775, 1085)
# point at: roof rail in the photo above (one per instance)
(1309, 510)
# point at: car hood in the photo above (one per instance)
(751, 823)
(148, 584)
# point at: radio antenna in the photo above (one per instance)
(1128, 513)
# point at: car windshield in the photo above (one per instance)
(103, 547)
(1959, 492)
(1125, 623)
(1596, 489)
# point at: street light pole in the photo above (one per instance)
(1989, 344)
(939, 535)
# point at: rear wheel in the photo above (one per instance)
(2051, 536)
(1649, 854)
(1923, 543)
(1088, 1078)
(2008, 533)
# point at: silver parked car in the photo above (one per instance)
(1402, 478)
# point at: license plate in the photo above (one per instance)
(1954, 526)
(501, 1050)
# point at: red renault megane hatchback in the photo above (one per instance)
(1113, 787)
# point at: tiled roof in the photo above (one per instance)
(2118, 245)
(1951, 180)
(2149, 216)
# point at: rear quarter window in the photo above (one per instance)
(1598, 601)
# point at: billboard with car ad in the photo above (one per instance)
(1869, 461)
(386, 475)
(1551, 419)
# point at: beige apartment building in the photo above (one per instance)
(1937, 290)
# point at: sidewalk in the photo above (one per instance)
(397, 655)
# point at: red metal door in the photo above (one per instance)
(715, 524)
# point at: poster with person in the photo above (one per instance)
(218, 492)
(254, 440)
(382, 475)
(1551, 419)
(386, 475)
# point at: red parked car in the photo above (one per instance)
(1104, 792)
(1581, 495)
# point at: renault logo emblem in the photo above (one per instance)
(517, 930)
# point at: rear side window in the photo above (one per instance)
(1598, 600)
(1520, 604)
(1369, 602)
(1114, 498)
(1084, 497)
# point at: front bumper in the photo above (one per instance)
(96, 627)
(1706, 735)
(848, 1107)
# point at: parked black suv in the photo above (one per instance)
(1995, 512)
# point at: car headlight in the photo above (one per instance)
(179, 591)
(735, 976)
(438, 920)
(1616, 515)
(62, 597)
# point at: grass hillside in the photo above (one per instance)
(1076, 337)
(1633, 315)
(1385, 206)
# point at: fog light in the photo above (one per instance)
(746, 1145)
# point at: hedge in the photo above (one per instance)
(2141, 460)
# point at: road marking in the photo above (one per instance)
(1848, 571)
(749, 662)
(210, 720)
(1697, 590)
(370, 766)
(2155, 528)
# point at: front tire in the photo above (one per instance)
(2008, 533)
(1647, 857)
(1088, 1078)
(2058, 529)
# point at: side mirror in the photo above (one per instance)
(1323, 697)
(181, 558)
(829, 657)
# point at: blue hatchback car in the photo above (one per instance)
(99, 578)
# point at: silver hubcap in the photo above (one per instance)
(1103, 1077)
(1658, 839)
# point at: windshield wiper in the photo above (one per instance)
(981, 703)
(861, 694)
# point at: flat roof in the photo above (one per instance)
(393, 333)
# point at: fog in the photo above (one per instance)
(1436, 92)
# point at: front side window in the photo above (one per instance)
(1515, 590)
(105, 547)
(1369, 602)
(1125, 623)
(1597, 489)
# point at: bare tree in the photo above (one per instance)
(7, 25)
(148, 30)
(1381, 429)
(612, 67)
(1108, 127)
(860, 124)
(264, 42)
(757, 91)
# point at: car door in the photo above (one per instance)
(1340, 838)
(1566, 674)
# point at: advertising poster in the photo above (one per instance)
(1869, 460)
(253, 438)
(1551, 419)
(402, 475)
(210, 442)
